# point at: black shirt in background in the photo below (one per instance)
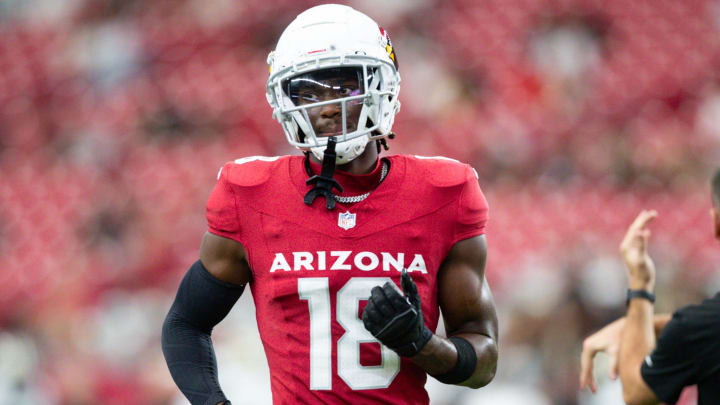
(687, 353)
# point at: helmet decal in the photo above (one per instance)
(389, 46)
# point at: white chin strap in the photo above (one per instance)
(345, 151)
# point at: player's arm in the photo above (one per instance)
(469, 356)
(225, 259)
(469, 313)
(206, 294)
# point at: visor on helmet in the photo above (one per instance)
(324, 85)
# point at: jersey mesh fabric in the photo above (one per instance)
(303, 261)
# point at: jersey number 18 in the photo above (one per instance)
(358, 377)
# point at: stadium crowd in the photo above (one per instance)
(116, 114)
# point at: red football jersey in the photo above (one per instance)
(313, 268)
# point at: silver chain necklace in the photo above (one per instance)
(361, 197)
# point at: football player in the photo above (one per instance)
(350, 257)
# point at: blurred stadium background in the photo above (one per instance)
(116, 114)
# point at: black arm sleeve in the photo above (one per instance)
(202, 301)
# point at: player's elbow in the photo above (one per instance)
(485, 369)
(480, 380)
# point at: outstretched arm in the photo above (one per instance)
(205, 296)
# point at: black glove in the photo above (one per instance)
(397, 321)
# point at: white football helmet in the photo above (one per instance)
(328, 37)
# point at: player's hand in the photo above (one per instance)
(396, 320)
(605, 340)
(633, 248)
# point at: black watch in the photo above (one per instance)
(639, 294)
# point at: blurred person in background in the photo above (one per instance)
(382, 222)
(687, 350)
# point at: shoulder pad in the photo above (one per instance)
(250, 171)
(443, 172)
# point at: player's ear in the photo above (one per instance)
(716, 222)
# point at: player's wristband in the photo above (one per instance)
(466, 363)
(631, 294)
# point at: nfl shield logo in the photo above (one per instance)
(346, 220)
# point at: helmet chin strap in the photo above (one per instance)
(324, 182)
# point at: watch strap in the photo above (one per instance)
(644, 294)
